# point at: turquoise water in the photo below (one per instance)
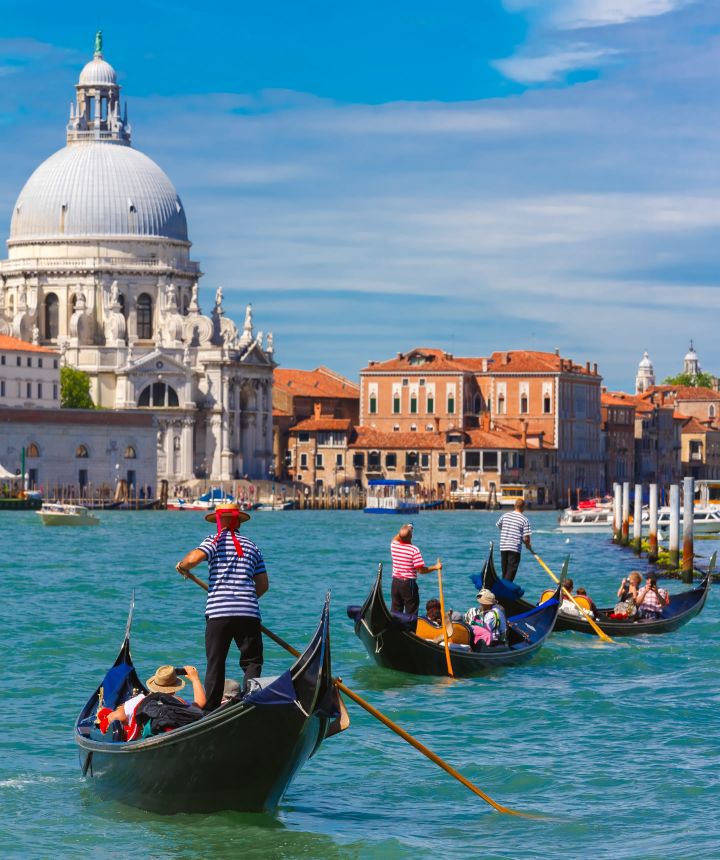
(617, 743)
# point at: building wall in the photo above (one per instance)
(438, 398)
(70, 447)
(29, 378)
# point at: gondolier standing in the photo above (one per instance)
(514, 532)
(237, 579)
(407, 563)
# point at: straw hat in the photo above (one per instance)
(486, 597)
(228, 508)
(165, 680)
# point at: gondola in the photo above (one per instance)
(391, 642)
(240, 757)
(682, 607)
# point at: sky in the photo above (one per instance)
(473, 175)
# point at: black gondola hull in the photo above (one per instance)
(241, 757)
(393, 646)
(683, 607)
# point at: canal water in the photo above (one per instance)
(617, 744)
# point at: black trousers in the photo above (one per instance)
(510, 561)
(219, 633)
(405, 595)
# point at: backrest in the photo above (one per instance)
(583, 602)
(546, 595)
(426, 629)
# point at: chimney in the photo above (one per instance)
(399, 355)
(372, 362)
(595, 368)
(587, 367)
(317, 408)
(557, 350)
(506, 358)
(484, 365)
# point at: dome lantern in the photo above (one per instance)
(96, 114)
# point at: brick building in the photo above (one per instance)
(618, 427)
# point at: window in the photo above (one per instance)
(29, 390)
(319, 464)
(429, 427)
(490, 461)
(158, 394)
(144, 317)
(501, 404)
(425, 461)
(472, 459)
(358, 460)
(546, 404)
(711, 411)
(396, 428)
(39, 390)
(442, 460)
(303, 461)
(39, 362)
(451, 405)
(82, 452)
(29, 361)
(374, 461)
(405, 382)
(51, 316)
(55, 363)
(391, 461)
(396, 404)
(411, 460)
(430, 405)
(413, 427)
(82, 478)
(55, 391)
(339, 460)
(422, 381)
(413, 404)
(523, 404)
(32, 450)
(303, 436)
(2, 388)
(2, 359)
(373, 404)
(18, 361)
(453, 461)
(129, 453)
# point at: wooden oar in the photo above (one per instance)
(583, 612)
(444, 623)
(386, 721)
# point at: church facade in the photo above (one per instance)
(99, 269)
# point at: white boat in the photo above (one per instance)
(207, 502)
(61, 514)
(276, 506)
(386, 496)
(598, 519)
(706, 520)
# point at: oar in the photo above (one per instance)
(584, 614)
(387, 722)
(444, 625)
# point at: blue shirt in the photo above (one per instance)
(232, 578)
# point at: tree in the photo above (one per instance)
(700, 380)
(75, 389)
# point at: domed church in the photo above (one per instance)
(99, 267)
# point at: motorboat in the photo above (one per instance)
(274, 505)
(206, 502)
(586, 519)
(63, 514)
(387, 496)
(706, 519)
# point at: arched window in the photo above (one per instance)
(51, 316)
(711, 410)
(144, 317)
(82, 452)
(523, 404)
(547, 406)
(130, 453)
(477, 404)
(158, 394)
(501, 404)
(396, 404)
(451, 405)
(32, 450)
(413, 404)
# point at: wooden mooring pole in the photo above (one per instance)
(617, 513)
(637, 520)
(688, 516)
(626, 513)
(652, 525)
(674, 535)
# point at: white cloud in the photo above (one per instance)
(553, 66)
(577, 14)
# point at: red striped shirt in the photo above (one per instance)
(406, 559)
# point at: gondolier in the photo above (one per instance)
(407, 563)
(514, 532)
(237, 579)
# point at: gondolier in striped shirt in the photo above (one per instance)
(237, 579)
(514, 532)
(407, 563)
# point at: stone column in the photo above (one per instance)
(188, 427)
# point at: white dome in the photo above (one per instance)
(98, 189)
(97, 72)
(691, 355)
(645, 361)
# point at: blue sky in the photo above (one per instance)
(469, 175)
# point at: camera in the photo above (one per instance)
(179, 670)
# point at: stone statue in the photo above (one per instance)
(247, 336)
(171, 303)
(270, 349)
(194, 307)
(35, 335)
(259, 339)
(218, 300)
(186, 355)
(98, 44)
(114, 295)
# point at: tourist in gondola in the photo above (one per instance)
(487, 620)
(630, 586)
(165, 680)
(514, 532)
(237, 579)
(407, 563)
(651, 600)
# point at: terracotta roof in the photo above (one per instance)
(695, 426)
(530, 361)
(322, 423)
(368, 437)
(608, 398)
(683, 392)
(17, 345)
(498, 439)
(436, 360)
(320, 382)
